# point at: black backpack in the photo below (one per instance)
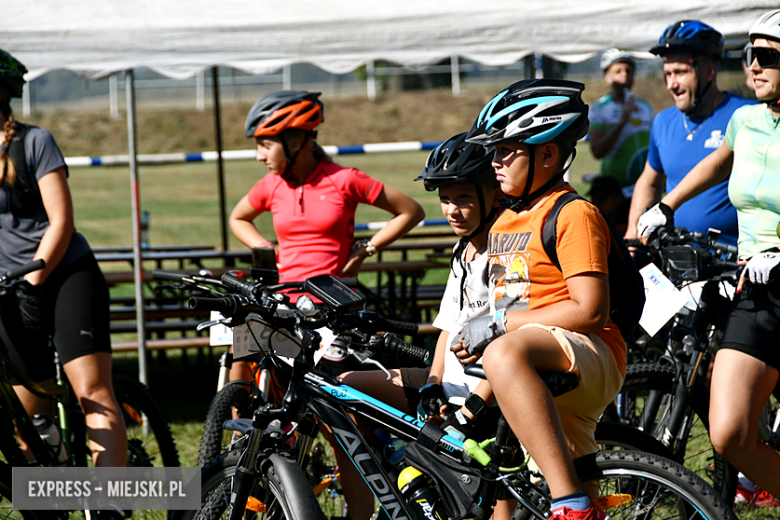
(626, 288)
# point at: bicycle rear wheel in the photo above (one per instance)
(640, 485)
(637, 485)
(149, 439)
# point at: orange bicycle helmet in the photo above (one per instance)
(280, 111)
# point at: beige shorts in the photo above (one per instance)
(600, 381)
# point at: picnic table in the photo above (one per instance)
(397, 286)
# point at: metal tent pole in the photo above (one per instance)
(220, 169)
(138, 268)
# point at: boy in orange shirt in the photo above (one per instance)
(545, 319)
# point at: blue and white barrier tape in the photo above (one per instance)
(238, 155)
(380, 225)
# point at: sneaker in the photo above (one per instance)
(763, 498)
(592, 513)
(744, 496)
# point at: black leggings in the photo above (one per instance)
(75, 315)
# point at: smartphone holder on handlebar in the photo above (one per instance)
(685, 263)
(334, 294)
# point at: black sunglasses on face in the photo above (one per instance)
(767, 56)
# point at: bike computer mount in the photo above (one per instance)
(334, 294)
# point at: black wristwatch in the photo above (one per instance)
(475, 404)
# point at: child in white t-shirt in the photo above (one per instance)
(468, 192)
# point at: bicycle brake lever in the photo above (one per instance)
(211, 323)
(378, 364)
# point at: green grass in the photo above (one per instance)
(183, 200)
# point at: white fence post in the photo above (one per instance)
(27, 99)
(200, 91)
(455, 69)
(287, 77)
(539, 62)
(113, 96)
(370, 80)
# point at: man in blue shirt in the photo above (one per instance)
(683, 135)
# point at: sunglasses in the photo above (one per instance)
(767, 56)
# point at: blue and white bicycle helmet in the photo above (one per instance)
(697, 38)
(535, 111)
(690, 36)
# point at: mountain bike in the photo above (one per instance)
(149, 439)
(631, 484)
(669, 399)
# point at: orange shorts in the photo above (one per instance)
(600, 381)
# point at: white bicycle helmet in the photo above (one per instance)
(613, 55)
(768, 26)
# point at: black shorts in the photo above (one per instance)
(75, 315)
(414, 379)
(753, 326)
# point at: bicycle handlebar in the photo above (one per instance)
(22, 270)
(227, 305)
(394, 345)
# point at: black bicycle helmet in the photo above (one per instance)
(690, 36)
(534, 111)
(280, 111)
(455, 161)
(11, 75)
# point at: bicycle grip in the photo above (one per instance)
(22, 270)
(395, 345)
(227, 305)
(173, 276)
(236, 284)
(400, 327)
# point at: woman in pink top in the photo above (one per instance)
(312, 199)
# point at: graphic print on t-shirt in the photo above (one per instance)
(509, 277)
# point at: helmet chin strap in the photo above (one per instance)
(700, 92)
(291, 158)
(484, 220)
(518, 204)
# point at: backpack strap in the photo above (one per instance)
(549, 231)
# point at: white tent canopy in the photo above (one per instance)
(180, 38)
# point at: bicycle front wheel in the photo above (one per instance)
(232, 398)
(149, 439)
(7, 511)
(281, 491)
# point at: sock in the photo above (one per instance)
(578, 501)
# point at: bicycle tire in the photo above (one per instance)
(696, 453)
(155, 447)
(280, 486)
(609, 437)
(614, 436)
(655, 488)
(7, 511)
(214, 439)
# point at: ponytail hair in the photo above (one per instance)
(7, 170)
(319, 153)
